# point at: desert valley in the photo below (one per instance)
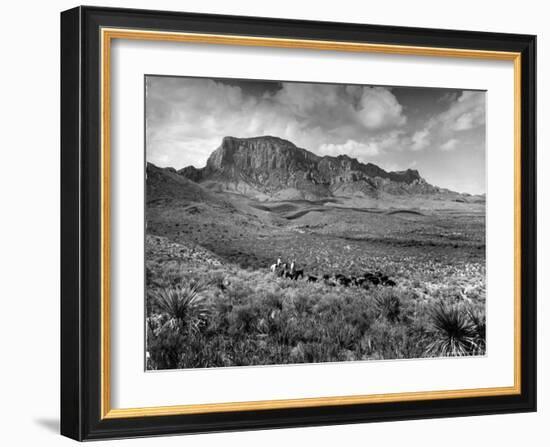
(213, 233)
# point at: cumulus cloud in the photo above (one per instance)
(373, 108)
(186, 119)
(378, 108)
(186, 116)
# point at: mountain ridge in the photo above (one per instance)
(272, 168)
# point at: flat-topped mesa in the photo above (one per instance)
(268, 165)
(265, 153)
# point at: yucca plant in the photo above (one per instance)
(479, 326)
(184, 306)
(453, 331)
(388, 306)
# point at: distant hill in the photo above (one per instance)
(166, 184)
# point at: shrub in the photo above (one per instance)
(243, 319)
(199, 316)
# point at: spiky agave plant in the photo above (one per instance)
(185, 306)
(453, 331)
(479, 326)
(388, 306)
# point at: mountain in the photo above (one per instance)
(165, 184)
(273, 168)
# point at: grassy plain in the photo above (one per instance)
(212, 300)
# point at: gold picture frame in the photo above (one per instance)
(107, 36)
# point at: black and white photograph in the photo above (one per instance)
(298, 222)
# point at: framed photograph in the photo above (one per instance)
(275, 223)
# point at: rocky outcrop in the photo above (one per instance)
(191, 173)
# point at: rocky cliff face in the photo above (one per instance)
(271, 167)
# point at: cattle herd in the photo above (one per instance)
(365, 280)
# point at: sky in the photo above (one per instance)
(439, 132)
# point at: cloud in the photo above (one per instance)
(188, 117)
(399, 166)
(448, 97)
(364, 150)
(420, 140)
(467, 112)
(373, 108)
(380, 109)
(351, 147)
(464, 122)
(449, 145)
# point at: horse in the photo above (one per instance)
(293, 275)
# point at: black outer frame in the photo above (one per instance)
(81, 206)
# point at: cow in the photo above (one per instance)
(344, 281)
